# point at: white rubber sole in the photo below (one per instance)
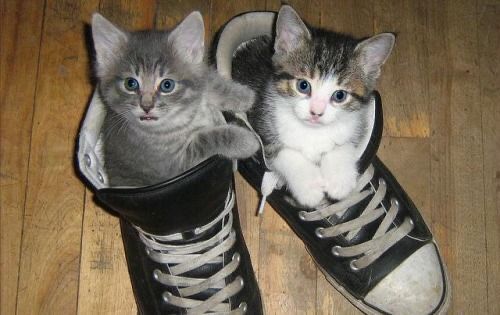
(365, 308)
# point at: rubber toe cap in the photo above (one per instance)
(417, 286)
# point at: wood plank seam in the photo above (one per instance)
(481, 9)
(29, 153)
(81, 249)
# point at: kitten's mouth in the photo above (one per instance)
(314, 120)
(148, 118)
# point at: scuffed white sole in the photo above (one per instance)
(367, 309)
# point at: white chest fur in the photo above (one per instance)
(314, 141)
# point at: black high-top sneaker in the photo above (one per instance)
(373, 246)
(183, 242)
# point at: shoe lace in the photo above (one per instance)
(383, 239)
(180, 259)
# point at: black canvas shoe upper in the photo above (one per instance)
(182, 238)
(373, 246)
(357, 242)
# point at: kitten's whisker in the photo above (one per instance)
(119, 120)
(112, 130)
(123, 124)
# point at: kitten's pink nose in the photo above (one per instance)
(317, 108)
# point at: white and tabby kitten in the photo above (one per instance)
(163, 104)
(312, 87)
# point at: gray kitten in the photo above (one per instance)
(163, 104)
(313, 87)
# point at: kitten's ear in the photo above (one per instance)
(374, 51)
(188, 38)
(291, 32)
(108, 41)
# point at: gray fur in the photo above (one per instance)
(179, 129)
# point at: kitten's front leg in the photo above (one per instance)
(340, 171)
(228, 95)
(302, 177)
(230, 141)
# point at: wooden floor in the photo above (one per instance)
(62, 254)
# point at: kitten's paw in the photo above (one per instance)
(245, 98)
(308, 190)
(230, 96)
(243, 143)
(249, 145)
(340, 181)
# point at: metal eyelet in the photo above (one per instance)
(100, 177)
(236, 256)
(242, 282)
(87, 160)
(156, 274)
(411, 222)
(353, 266)
(335, 250)
(166, 296)
(302, 215)
(197, 231)
(395, 202)
(319, 232)
(381, 181)
(243, 307)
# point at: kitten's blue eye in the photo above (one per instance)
(167, 85)
(131, 84)
(303, 86)
(339, 96)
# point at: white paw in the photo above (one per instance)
(340, 181)
(308, 190)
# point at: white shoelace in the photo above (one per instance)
(383, 239)
(180, 259)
